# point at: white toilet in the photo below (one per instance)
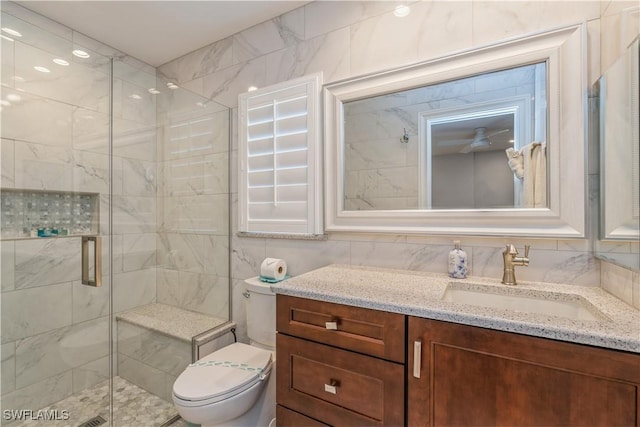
(235, 386)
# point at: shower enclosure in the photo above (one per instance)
(115, 198)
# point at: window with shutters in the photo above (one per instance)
(280, 159)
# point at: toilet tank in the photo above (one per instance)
(261, 313)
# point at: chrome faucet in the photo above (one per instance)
(511, 259)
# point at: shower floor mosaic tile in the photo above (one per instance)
(132, 407)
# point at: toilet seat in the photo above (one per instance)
(228, 372)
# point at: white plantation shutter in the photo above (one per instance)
(279, 158)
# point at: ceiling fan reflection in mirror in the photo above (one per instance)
(481, 139)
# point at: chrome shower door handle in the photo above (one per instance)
(97, 260)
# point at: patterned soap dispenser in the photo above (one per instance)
(457, 262)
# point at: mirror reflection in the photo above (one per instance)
(472, 143)
(619, 145)
(620, 160)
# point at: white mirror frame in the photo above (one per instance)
(564, 51)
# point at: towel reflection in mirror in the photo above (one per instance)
(529, 164)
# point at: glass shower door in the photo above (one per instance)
(56, 187)
(88, 232)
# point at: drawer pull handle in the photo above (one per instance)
(332, 387)
(332, 326)
(417, 357)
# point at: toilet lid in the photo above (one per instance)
(234, 367)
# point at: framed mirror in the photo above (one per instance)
(489, 141)
(619, 108)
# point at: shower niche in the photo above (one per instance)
(36, 213)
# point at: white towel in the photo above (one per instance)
(516, 162)
(539, 157)
(534, 183)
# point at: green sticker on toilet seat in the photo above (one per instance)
(225, 364)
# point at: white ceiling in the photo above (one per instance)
(158, 31)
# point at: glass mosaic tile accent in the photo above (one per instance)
(30, 213)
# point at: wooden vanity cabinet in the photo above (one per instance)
(338, 365)
(471, 376)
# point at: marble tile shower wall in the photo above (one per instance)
(193, 204)
(344, 39)
(55, 138)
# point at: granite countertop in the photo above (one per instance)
(173, 321)
(415, 293)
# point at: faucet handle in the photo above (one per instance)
(526, 250)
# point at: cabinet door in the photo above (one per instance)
(478, 377)
(287, 418)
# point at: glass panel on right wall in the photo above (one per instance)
(620, 161)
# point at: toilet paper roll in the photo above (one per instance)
(273, 268)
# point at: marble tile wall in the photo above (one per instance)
(345, 39)
(621, 282)
(193, 200)
(55, 137)
(151, 360)
(620, 25)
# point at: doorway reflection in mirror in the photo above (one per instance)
(469, 145)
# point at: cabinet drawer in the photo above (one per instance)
(288, 418)
(338, 387)
(367, 331)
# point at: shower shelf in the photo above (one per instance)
(25, 211)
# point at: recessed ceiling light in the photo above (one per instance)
(154, 91)
(201, 104)
(42, 69)
(172, 86)
(18, 78)
(11, 32)
(252, 88)
(135, 96)
(81, 54)
(6, 38)
(14, 97)
(4, 103)
(60, 61)
(401, 11)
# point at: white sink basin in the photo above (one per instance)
(569, 306)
